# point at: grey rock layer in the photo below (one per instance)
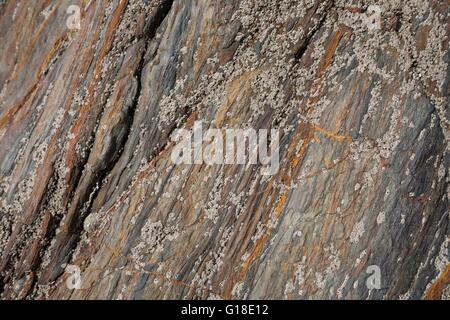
(87, 180)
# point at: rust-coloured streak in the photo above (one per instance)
(21, 63)
(305, 131)
(14, 109)
(330, 51)
(436, 290)
(7, 118)
(83, 115)
(333, 136)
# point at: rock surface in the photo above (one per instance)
(86, 177)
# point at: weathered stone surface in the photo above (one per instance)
(86, 174)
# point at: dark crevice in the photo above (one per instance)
(147, 35)
(299, 53)
(92, 191)
(76, 225)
